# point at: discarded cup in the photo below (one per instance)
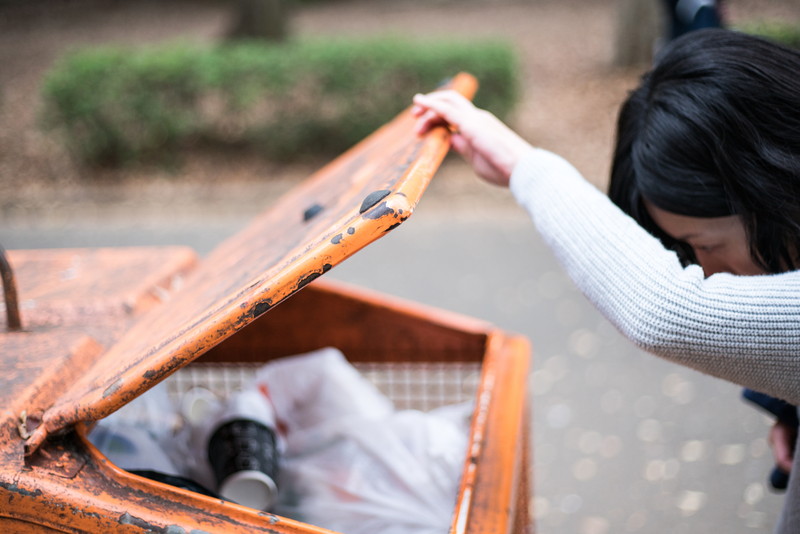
(243, 451)
(198, 404)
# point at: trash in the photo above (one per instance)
(137, 436)
(398, 475)
(140, 437)
(243, 450)
(230, 444)
(198, 404)
(314, 392)
(132, 448)
(308, 438)
(353, 463)
(154, 411)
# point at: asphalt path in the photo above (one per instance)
(623, 442)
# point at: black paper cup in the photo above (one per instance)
(244, 458)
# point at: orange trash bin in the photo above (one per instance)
(102, 326)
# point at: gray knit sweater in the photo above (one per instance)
(744, 329)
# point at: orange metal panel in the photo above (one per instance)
(495, 471)
(348, 204)
(74, 302)
(362, 324)
(58, 287)
(34, 368)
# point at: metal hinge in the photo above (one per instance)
(10, 291)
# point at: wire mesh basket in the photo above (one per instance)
(415, 386)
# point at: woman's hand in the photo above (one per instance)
(491, 147)
(782, 438)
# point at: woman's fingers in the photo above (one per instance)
(460, 145)
(440, 107)
(490, 146)
(449, 104)
(427, 120)
(782, 438)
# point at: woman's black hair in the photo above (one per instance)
(714, 130)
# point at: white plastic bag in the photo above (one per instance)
(313, 393)
(355, 465)
(139, 435)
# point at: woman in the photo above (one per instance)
(708, 162)
(669, 162)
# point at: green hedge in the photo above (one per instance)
(781, 32)
(116, 105)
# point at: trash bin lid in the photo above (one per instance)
(351, 202)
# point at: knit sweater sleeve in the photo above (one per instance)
(744, 329)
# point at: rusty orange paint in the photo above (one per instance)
(62, 287)
(97, 334)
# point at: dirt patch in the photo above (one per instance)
(569, 103)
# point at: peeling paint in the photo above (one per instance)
(373, 198)
(13, 488)
(261, 307)
(110, 390)
(128, 519)
(351, 230)
(313, 276)
(95, 515)
(307, 280)
(380, 211)
(273, 519)
(337, 239)
(312, 211)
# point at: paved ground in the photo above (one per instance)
(623, 441)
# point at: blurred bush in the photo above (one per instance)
(785, 33)
(288, 101)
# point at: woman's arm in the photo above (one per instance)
(742, 329)
(745, 329)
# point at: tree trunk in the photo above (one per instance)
(261, 19)
(640, 29)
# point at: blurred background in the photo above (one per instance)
(131, 123)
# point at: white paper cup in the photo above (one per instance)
(250, 488)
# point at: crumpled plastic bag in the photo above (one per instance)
(136, 436)
(353, 464)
